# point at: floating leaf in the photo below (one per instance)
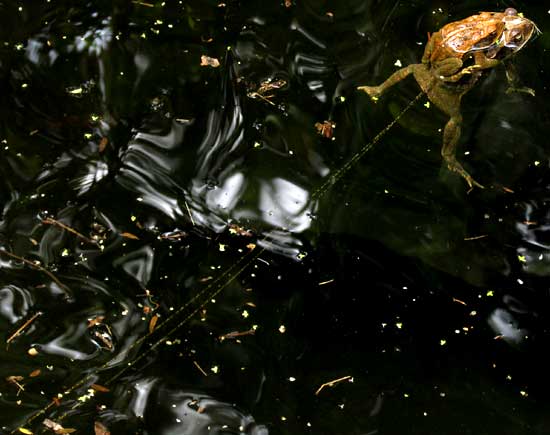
(129, 236)
(153, 323)
(103, 144)
(101, 429)
(209, 61)
(56, 427)
(100, 388)
(325, 128)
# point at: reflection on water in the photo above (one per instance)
(153, 406)
(167, 268)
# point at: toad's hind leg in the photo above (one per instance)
(396, 77)
(451, 136)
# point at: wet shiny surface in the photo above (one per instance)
(180, 255)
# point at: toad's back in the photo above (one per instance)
(477, 32)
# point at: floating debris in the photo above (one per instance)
(266, 86)
(56, 427)
(23, 327)
(100, 429)
(325, 128)
(333, 383)
(35, 266)
(173, 236)
(240, 231)
(236, 334)
(209, 61)
(52, 221)
(476, 237)
(128, 235)
(153, 323)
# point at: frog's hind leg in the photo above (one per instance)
(376, 91)
(451, 136)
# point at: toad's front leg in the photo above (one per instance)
(451, 135)
(376, 91)
(514, 82)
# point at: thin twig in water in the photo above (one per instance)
(236, 334)
(149, 5)
(477, 237)
(23, 327)
(189, 211)
(200, 368)
(61, 225)
(333, 383)
(35, 266)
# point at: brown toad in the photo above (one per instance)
(454, 60)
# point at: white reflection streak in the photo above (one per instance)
(96, 171)
(504, 324)
(283, 204)
(139, 401)
(227, 195)
(212, 142)
(57, 346)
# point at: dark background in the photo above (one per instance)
(433, 299)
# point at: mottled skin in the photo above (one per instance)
(481, 41)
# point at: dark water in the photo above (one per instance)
(161, 205)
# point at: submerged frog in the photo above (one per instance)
(454, 59)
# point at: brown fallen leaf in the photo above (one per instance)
(153, 323)
(100, 388)
(236, 334)
(209, 61)
(101, 429)
(127, 235)
(175, 235)
(325, 128)
(19, 330)
(95, 321)
(103, 144)
(264, 89)
(15, 380)
(56, 427)
(34, 373)
(240, 231)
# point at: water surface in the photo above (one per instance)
(179, 254)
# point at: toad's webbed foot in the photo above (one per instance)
(373, 91)
(523, 89)
(454, 166)
(376, 91)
